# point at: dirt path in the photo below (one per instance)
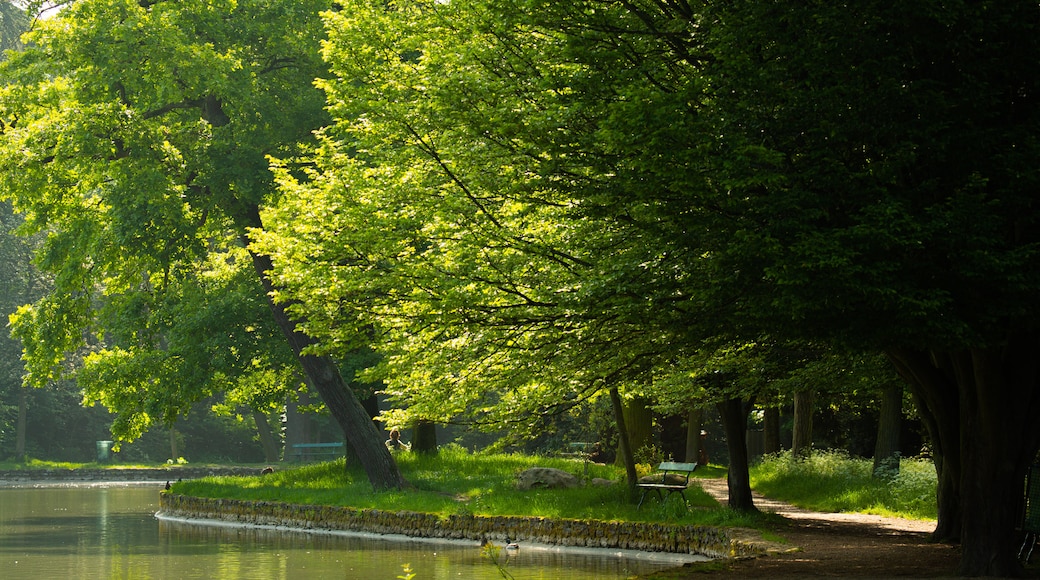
(837, 546)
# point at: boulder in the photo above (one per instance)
(545, 477)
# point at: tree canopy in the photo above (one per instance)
(524, 204)
(137, 138)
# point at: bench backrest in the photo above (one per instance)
(674, 466)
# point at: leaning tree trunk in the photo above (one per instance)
(734, 414)
(890, 422)
(624, 444)
(323, 374)
(801, 444)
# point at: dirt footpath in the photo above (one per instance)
(837, 546)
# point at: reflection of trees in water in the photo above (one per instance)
(423, 555)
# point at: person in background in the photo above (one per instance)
(394, 443)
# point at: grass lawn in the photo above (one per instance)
(457, 482)
(831, 481)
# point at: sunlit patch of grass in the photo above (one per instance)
(458, 482)
(831, 481)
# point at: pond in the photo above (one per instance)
(110, 531)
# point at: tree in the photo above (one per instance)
(137, 137)
(878, 160)
(801, 444)
(452, 251)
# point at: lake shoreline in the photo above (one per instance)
(130, 475)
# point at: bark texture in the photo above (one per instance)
(734, 414)
(362, 435)
(625, 455)
(801, 444)
(890, 422)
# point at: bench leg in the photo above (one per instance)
(643, 495)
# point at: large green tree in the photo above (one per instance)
(452, 193)
(864, 177)
(137, 136)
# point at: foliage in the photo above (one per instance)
(457, 200)
(831, 481)
(138, 132)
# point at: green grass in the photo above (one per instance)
(457, 482)
(831, 481)
(43, 464)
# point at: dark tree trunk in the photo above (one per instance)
(771, 430)
(424, 437)
(639, 421)
(371, 405)
(734, 414)
(694, 424)
(362, 436)
(934, 392)
(890, 422)
(625, 455)
(997, 399)
(267, 439)
(801, 444)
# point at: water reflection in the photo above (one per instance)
(110, 532)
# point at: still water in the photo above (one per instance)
(110, 531)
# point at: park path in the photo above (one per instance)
(836, 546)
(717, 489)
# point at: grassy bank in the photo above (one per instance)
(457, 482)
(831, 481)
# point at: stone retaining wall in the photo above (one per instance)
(682, 539)
(172, 473)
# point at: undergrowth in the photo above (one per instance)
(831, 481)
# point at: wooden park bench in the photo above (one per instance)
(317, 451)
(679, 481)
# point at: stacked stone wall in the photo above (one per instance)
(651, 537)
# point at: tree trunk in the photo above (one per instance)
(694, 424)
(624, 445)
(801, 444)
(21, 427)
(267, 439)
(363, 437)
(890, 422)
(734, 414)
(935, 394)
(639, 421)
(771, 430)
(424, 437)
(997, 436)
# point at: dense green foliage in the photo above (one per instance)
(524, 205)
